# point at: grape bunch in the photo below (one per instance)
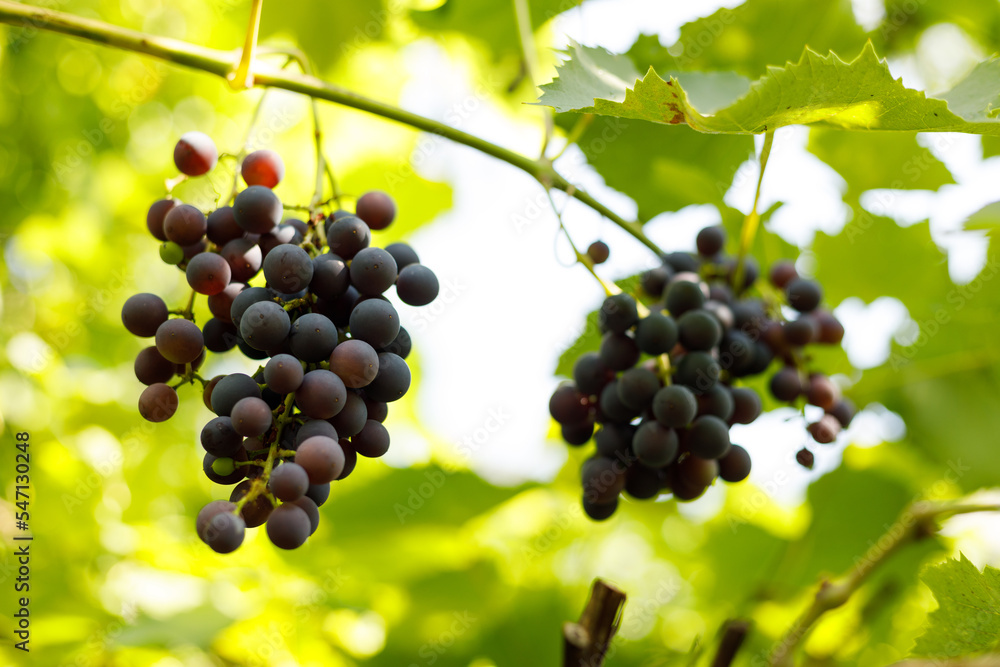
(659, 396)
(305, 298)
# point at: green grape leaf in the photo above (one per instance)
(967, 620)
(860, 94)
(662, 168)
(881, 160)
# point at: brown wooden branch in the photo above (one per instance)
(733, 636)
(585, 643)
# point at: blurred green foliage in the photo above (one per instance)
(473, 575)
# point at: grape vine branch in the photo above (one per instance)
(220, 63)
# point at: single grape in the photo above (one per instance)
(801, 331)
(655, 445)
(350, 458)
(417, 285)
(340, 309)
(288, 527)
(221, 304)
(782, 272)
(708, 437)
(805, 458)
(321, 457)
(568, 406)
(257, 209)
(209, 511)
(656, 334)
(206, 394)
(142, 314)
(221, 227)
(280, 235)
(696, 471)
(313, 337)
(244, 258)
(372, 441)
(825, 431)
(208, 273)
(681, 262)
(321, 394)
(225, 532)
(151, 367)
(179, 340)
(349, 421)
(831, 331)
(699, 330)
(265, 325)
(642, 483)
(718, 402)
(377, 410)
(355, 362)
(348, 235)
(229, 390)
(283, 373)
(195, 154)
(184, 224)
(288, 269)
(615, 440)
(821, 391)
(655, 280)
(376, 208)
(599, 511)
(401, 345)
(710, 241)
(674, 406)
(611, 406)
(637, 386)
(262, 167)
(803, 295)
(577, 434)
(158, 402)
(843, 411)
(392, 380)
(171, 253)
(721, 312)
(618, 313)
(747, 405)
(375, 322)
(251, 417)
(598, 251)
(403, 254)
(736, 352)
(684, 295)
(591, 374)
(318, 493)
(288, 482)
(603, 479)
(697, 370)
(735, 466)
(154, 218)
(314, 427)
(331, 277)
(219, 438)
(786, 384)
(618, 351)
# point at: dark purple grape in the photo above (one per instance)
(684, 295)
(348, 235)
(288, 527)
(184, 224)
(401, 345)
(642, 483)
(825, 431)
(377, 410)
(245, 299)
(219, 438)
(225, 532)
(804, 295)
(655, 280)
(603, 479)
(591, 374)
(158, 402)
(257, 209)
(612, 408)
(614, 440)
(708, 437)
(179, 340)
(208, 273)
(244, 258)
(805, 458)
(735, 466)
(265, 325)
(403, 254)
(699, 330)
(821, 391)
(618, 351)
(655, 445)
(637, 386)
(283, 373)
(598, 251)
(782, 272)
(142, 314)
(151, 367)
(577, 434)
(698, 371)
(311, 510)
(221, 304)
(417, 285)
(717, 401)
(843, 412)
(229, 390)
(747, 405)
(251, 417)
(321, 394)
(154, 218)
(392, 380)
(331, 277)
(315, 427)
(288, 269)
(255, 512)
(372, 441)
(674, 406)
(219, 335)
(321, 457)
(374, 321)
(288, 482)
(195, 154)
(209, 511)
(376, 208)
(221, 227)
(352, 418)
(318, 493)
(568, 405)
(710, 241)
(356, 362)
(786, 384)
(600, 511)
(831, 331)
(618, 313)
(313, 337)
(656, 334)
(262, 167)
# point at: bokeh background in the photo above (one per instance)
(465, 545)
